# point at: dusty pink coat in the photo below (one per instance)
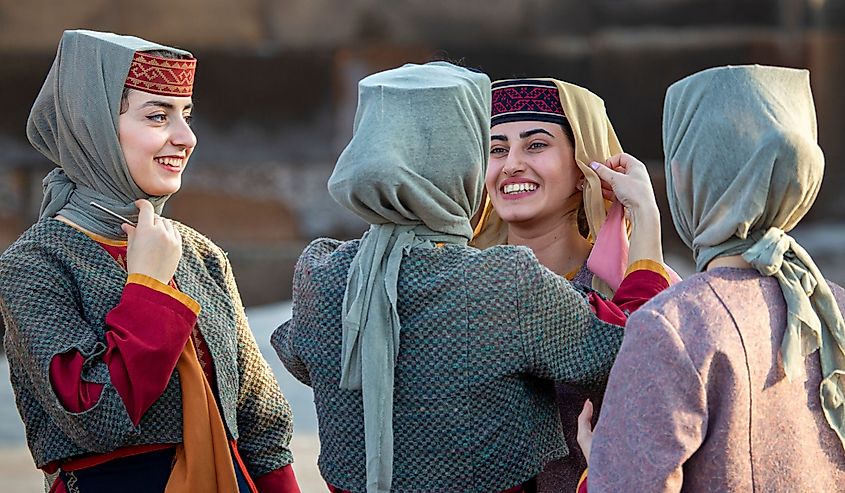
(698, 402)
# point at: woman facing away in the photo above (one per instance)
(133, 365)
(433, 363)
(543, 194)
(732, 379)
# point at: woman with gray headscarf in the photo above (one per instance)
(732, 379)
(132, 362)
(433, 363)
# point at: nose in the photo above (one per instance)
(513, 163)
(183, 136)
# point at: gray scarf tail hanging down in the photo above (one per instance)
(733, 195)
(414, 170)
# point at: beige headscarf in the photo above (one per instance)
(594, 140)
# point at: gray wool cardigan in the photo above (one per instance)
(56, 287)
(485, 333)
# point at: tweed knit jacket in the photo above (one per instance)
(485, 333)
(56, 287)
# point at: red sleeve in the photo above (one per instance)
(644, 280)
(582, 483)
(637, 288)
(607, 311)
(145, 334)
(281, 480)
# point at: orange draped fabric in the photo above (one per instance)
(203, 460)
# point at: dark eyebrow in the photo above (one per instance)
(499, 137)
(529, 133)
(165, 105)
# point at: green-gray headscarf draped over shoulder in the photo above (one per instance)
(742, 168)
(74, 123)
(414, 170)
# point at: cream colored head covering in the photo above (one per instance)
(594, 140)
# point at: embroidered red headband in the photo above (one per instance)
(526, 99)
(159, 75)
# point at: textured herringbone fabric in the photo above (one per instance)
(56, 287)
(484, 334)
(562, 475)
(414, 170)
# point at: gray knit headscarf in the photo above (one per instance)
(73, 122)
(414, 170)
(742, 168)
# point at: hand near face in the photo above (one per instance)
(155, 246)
(626, 178)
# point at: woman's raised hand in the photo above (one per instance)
(155, 246)
(626, 178)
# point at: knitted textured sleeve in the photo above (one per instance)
(564, 340)
(284, 337)
(283, 342)
(145, 334)
(265, 422)
(41, 302)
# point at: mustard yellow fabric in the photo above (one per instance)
(159, 286)
(648, 264)
(203, 459)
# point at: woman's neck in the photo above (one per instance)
(560, 248)
(735, 261)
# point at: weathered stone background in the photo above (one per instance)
(276, 91)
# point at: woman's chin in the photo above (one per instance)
(515, 216)
(161, 189)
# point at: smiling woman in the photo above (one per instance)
(129, 350)
(156, 139)
(546, 191)
(533, 180)
(544, 136)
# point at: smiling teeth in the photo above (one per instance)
(170, 161)
(519, 187)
